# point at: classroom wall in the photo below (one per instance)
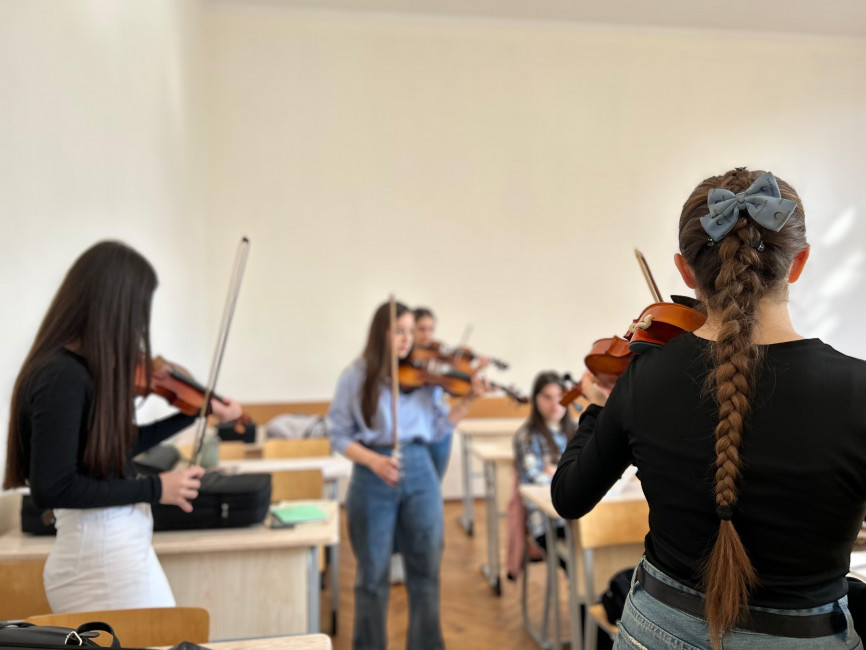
(97, 101)
(502, 173)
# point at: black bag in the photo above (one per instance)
(156, 460)
(226, 432)
(613, 600)
(26, 635)
(224, 501)
(36, 521)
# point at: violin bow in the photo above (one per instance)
(648, 276)
(395, 379)
(241, 255)
(461, 344)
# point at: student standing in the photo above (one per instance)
(72, 436)
(750, 443)
(387, 499)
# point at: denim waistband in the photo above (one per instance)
(809, 624)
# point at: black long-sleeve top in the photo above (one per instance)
(802, 493)
(53, 423)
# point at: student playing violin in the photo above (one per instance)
(750, 443)
(72, 436)
(425, 337)
(388, 499)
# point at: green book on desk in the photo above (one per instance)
(300, 514)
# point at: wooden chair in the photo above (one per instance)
(232, 450)
(23, 590)
(607, 526)
(292, 485)
(142, 628)
(302, 448)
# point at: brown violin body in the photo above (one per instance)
(177, 387)
(656, 325)
(461, 359)
(413, 374)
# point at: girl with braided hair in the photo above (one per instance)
(750, 443)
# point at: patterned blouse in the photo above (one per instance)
(532, 453)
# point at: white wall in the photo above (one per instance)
(501, 173)
(95, 143)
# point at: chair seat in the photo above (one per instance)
(597, 612)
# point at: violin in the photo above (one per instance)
(656, 325)
(461, 357)
(412, 374)
(176, 386)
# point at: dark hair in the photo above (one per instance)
(103, 305)
(732, 277)
(423, 312)
(536, 420)
(377, 357)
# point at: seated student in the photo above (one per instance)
(538, 444)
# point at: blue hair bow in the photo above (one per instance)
(762, 201)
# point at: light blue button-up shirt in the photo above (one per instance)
(422, 414)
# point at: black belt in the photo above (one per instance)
(812, 626)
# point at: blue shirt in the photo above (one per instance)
(422, 414)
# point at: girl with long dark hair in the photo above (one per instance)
(72, 435)
(387, 499)
(750, 443)
(539, 443)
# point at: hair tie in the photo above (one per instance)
(724, 512)
(762, 202)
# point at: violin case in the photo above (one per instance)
(223, 501)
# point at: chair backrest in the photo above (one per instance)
(617, 529)
(232, 450)
(23, 590)
(142, 628)
(10, 512)
(304, 447)
(615, 523)
(296, 484)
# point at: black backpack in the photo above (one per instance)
(613, 600)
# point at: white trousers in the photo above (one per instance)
(103, 559)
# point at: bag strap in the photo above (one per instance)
(95, 626)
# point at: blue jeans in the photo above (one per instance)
(411, 513)
(440, 452)
(649, 624)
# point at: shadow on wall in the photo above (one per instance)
(826, 304)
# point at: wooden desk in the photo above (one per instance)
(605, 561)
(497, 458)
(254, 581)
(301, 642)
(485, 429)
(333, 468)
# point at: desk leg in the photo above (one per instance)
(491, 569)
(335, 586)
(573, 601)
(553, 580)
(314, 598)
(333, 561)
(468, 517)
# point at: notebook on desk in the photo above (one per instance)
(290, 515)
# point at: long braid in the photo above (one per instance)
(729, 573)
(732, 277)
